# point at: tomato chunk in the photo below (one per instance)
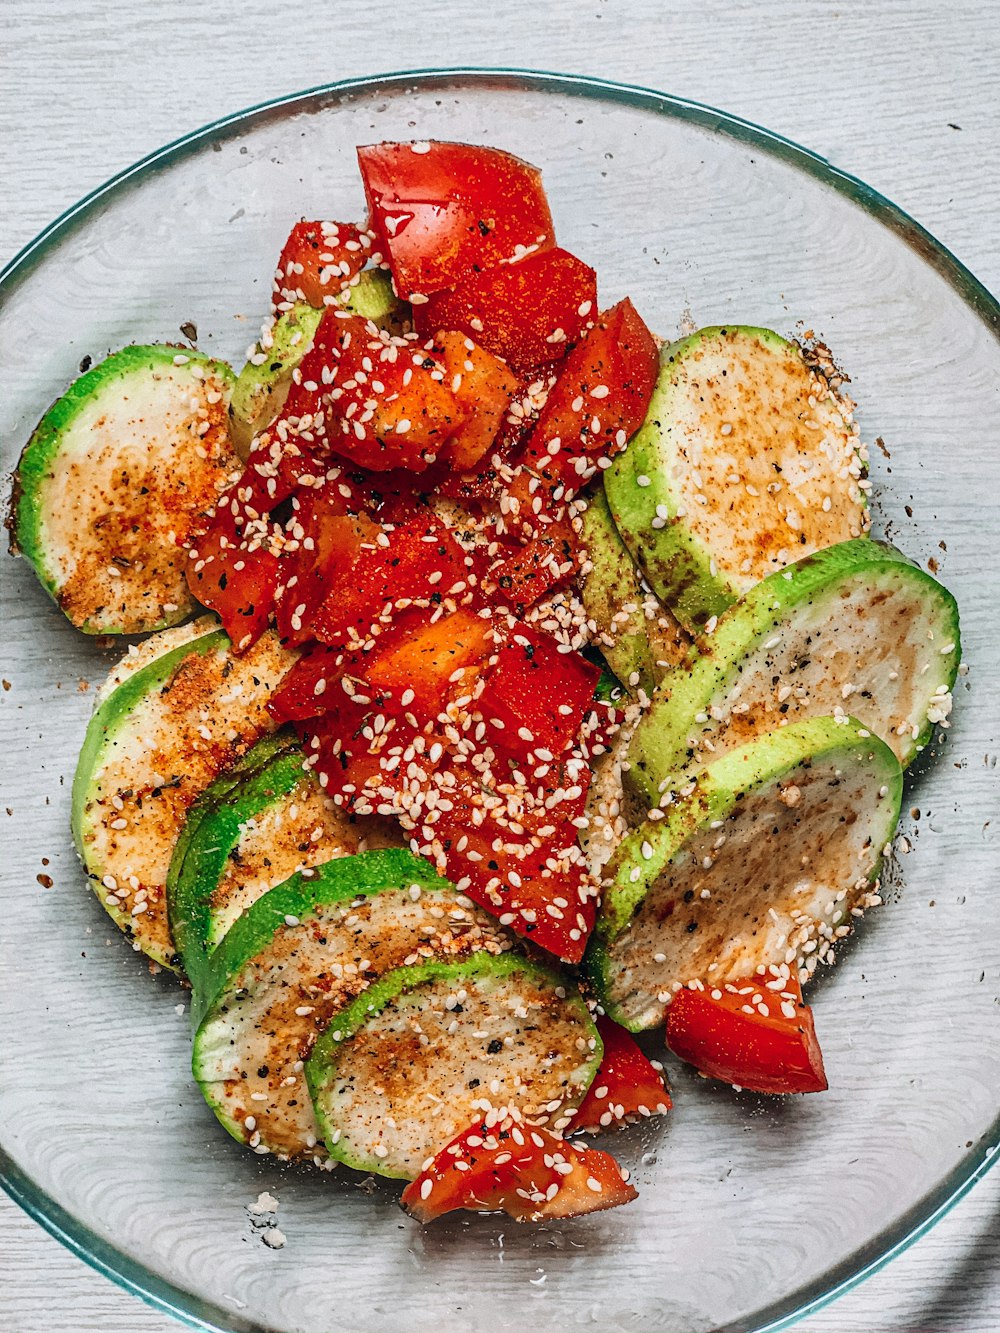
(536, 697)
(519, 579)
(318, 598)
(598, 402)
(482, 386)
(319, 259)
(232, 571)
(527, 1172)
(625, 1087)
(442, 211)
(529, 313)
(749, 1035)
(426, 663)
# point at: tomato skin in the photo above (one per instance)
(598, 402)
(762, 1053)
(317, 261)
(234, 573)
(530, 673)
(442, 211)
(530, 313)
(512, 1167)
(625, 1086)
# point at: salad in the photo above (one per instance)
(514, 682)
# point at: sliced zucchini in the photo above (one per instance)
(747, 460)
(262, 385)
(638, 636)
(298, 956)
(113, 480)
(429, 1050)
(162, 732)
(855, 629)
(254, 827)
(765, 860)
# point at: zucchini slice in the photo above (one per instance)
(113, 480)
(638, 636)
(747, 461)
(163, 730)
(262, 385)
(298, 956)
(765, 860)
(854, 629)
(258, 824)
(428, 1050)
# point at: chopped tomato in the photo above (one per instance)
(319, 259)
(426, 663)
(519, 1169)
(309, 689)
(318, 594)
(598, 402)
(358, 767)
(626, 1086)
(519, 579)
(442, 211)
(529, 313)
(483, 387)
(536, 696)
(749, 1035)
(232, 570)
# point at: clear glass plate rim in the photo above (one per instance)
(45, 1210)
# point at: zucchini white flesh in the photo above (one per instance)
(298, 956)
(262, 385)
(746, 461)
(161, 734)
(766, 860)
(637, 635)
(253, 828)
(431, 1049)
(854, 629)
(606, 807)
(114, 478)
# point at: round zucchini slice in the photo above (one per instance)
(113, 480)
(747, 461)
(254, 827)
(429, 1050)
(765, 860)
(293, 960)
(855, 629)
(166, 725)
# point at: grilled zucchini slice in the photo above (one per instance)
(765, 859)
(253, 828)
(428, 1050)
(854, 629)
(114, 478)
(746, 461)
(298, 956)
(165, 727)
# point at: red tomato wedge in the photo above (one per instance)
(234, 574)
(625, 1087)
(536, 697)
(598, 402)
(747, 1035)
(529, 1173)
(351, 761)
(483, 387)
(443, 211)
(529, 313)
(319, 259)
(426, 663)
(521, 578)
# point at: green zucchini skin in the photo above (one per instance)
(860, 600)
(733, 407)
(638, 636)
(161, 733)
(295, 958)
(461, 1037)
(114, 478)
(823, 787)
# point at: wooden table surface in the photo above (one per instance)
(903, 93)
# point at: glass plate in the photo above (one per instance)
(750, 1211)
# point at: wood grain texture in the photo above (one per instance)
(902, 94)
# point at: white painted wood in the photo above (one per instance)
(903, 94)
